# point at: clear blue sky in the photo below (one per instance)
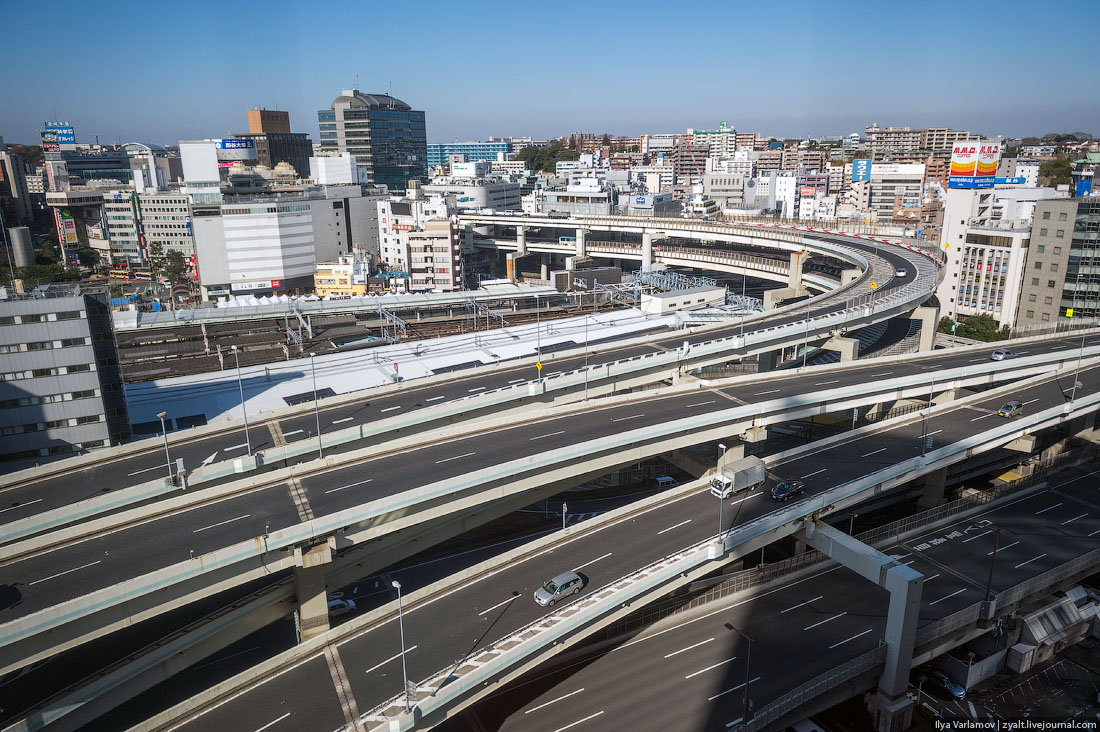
(162, 71)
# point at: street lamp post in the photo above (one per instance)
(806, 340)
(748, 670)
(538, 334)
(1077, 371)
(924, 422)
(993, 561)
(401, 626)
(164, 431)
(586, 358)
(316, 408)
(244, 410)
(721, 464)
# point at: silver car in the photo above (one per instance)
(566, 583)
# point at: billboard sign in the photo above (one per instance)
(974, 164)
(1084, 188)
(249, 286)
(1011, 181)
(861, 170)
(58, 133)
(234, 144)
(231, 149)
(68, 227)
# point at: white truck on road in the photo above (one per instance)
(738, 475)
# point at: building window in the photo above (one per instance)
(1046, 214)
(1031, 297)
(1053, 266)
(1062, 216)
(1031, 313)
(1060, 234)
(1057, 250)
(1042, 232)
(1038, 265)
(1034, 281)
(1050, 284)
(1042, 249)
(1046, 317)
(1047, 300)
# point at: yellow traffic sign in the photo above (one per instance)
(538, 365)
(1069, 312)
(874, 285)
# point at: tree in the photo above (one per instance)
(545, 159)
(31, 154)
(88, 257)
(176, 267)
(605, 141)
(1057, 172)
(978, 327)
(155, 252)
(572, 142)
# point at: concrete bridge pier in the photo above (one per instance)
(544, 266)
(647, 251)
(934, 484)
(849, 275)
(848, 348)
(309, 582)
(794, 280)
(521, 240)
(890, 707)
(929, 318)
(582, 246)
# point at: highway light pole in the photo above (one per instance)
(401, 626)
(806, 340)
(316, 408)
(748, 670)
(993, 562)
(538, 333)
(586, 358)
(164, 431)
(244, 410)
(721, 464)
(1077, 371)
(924, 422)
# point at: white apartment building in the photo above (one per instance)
(435, 258)
(398, 217)
(334, 170)
(497, 193)
(727, 189)
(663, 175)
(721, 142)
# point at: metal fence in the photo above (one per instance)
(1049, 578)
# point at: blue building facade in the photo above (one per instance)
(440, 152)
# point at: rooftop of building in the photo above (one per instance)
(359, 100)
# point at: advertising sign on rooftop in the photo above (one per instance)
(974, 164)
(861, 170)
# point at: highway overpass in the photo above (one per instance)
(846, 481)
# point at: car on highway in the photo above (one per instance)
(339, 607)
(1002, 353)
(945, 683)
(901, 272)
(788, 489)
(566, 583)
(1011, 409)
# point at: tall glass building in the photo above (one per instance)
(439, 153)
(386, 136)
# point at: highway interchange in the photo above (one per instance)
(493, 606)
(39, 581)
(53, 491)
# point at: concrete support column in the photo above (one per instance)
(582, 247)
(521, 240)
(848, 348)
(647, 251)
(929, 318)
(309, 582)
(767, 361)
(849, 275)
(544, 266)
(934, 483)
(511, 266)
(794, 279)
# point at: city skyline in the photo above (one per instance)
(593, 71)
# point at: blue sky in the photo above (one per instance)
(162, 71)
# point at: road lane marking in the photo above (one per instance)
(274, 722)
(499, 604)
(929, 579)
(1030, 401)
(710, 668)
(390, 409)
(695, 645)
(945, 597)
(1030, 560)
(221, 523)
(67, 571)
(574, 724)
(826, 383)
(226, 658)
(394, 657)
(21, 505)
(874, 452)
(236, 447)
(762, 393)
(884, 373)
(810, 475)
(552, 434)
(929, 434)
(701, 404)
(1056, 505)
(978, 536)
(754, 495)
(735, 688)
(975, 359)
(822, 622)
(593, 561)
(981, 417)
(293, 432)
(857, 635)
(341, 421)
(456, 457)
(1058, 348)
(350, 485)
(1095, 533)
(1070, 521)
(146, 470)
(436, 398)
(1006, 546)
(623, 419)
(476, 388)
(795, 607)
(670, 528)
(546, 704)
(517, 381)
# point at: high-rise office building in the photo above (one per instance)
(275, 143)
(387, 137)
(60, 383)
(1059, 273)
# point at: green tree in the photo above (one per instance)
(88, 257)
(31, 154)
(981, 328)
(1057, 172)
(155, 252)
(175, 267)
(545, 159)
(605, 141)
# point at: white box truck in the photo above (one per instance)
(738, 475)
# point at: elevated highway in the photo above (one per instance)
(215, 453)
(116, 570)
(631, 556)
(842, 484)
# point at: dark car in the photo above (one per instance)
(788, 489)
(945, 683)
